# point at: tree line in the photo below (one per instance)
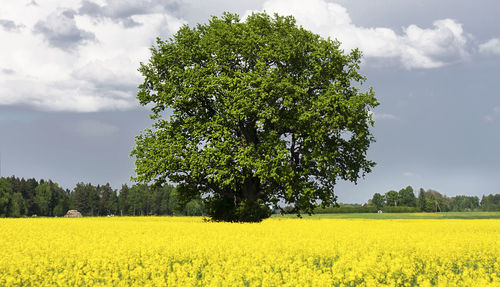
(406, 200)
(433, 201)
(28, 197)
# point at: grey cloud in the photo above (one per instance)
(8, 71)
(122, 11)
(10, 25)
(103, 79)
(446, 42)
(60, 30)
(69, 95)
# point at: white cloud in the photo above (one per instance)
(411, 174)
(490, 47)
(83, 55)
(493, 115)
(60, 60)
(416, 47)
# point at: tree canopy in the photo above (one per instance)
(253, 113)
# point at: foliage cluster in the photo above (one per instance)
(19, 197)
(490, 202)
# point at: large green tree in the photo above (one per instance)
(253, 113)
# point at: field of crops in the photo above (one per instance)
(159, 251)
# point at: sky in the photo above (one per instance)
(68, 85)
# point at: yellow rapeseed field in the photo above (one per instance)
(161, 251)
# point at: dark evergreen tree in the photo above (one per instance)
(94, 200)
(123, 205)
(109, 200)
(59, 199)
(5, 192)
(81, 197)
(421, 203)
(137, 199)
(27, 189)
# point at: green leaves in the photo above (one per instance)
(260, 111)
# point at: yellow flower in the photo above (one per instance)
(185, 251)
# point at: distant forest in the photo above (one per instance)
(21, 197)
(405, 200)
(27, 197)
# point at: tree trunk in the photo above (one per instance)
(250, 189)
